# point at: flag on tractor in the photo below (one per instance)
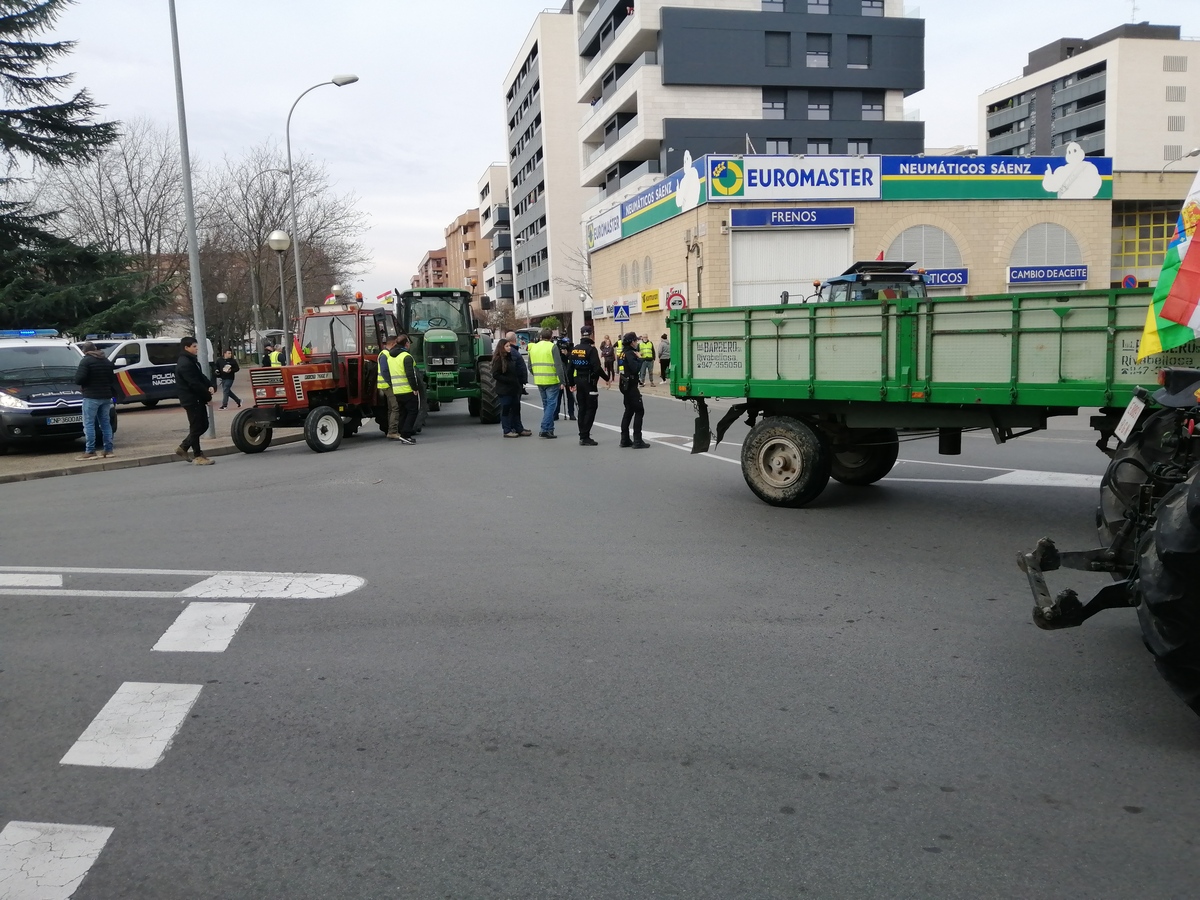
(1173, 317)
(297, 354)
(385, 297)
(331, 300)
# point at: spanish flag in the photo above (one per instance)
(1173, 318)
(297, 353)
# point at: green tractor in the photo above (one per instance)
(452, 359)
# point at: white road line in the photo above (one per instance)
(204, 628)
(44, 861)
(1046, 479)
(40, 579)
(135, 727)
(234, 585)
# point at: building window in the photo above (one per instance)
(818, 147)
(872, 107)
(1176, 93)
(818, 7)
(872, 7)
(647, 270)
(1175, 63)
(1176, 123)
(858, 148)
(928, 246)
(818, 51)
(1046, 244)
(1142, 230)
(819, 105)
(859, 51)
(635, 279)
(778, 146)
(779, 48)
(624, 277)
(774, 103)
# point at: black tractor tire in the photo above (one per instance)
(149, 404)
(248, 435)
(489, 403)
(868, 461)
(323, 429)
(1168, 588)
(473, 407)
(785, 462)
(350, 429)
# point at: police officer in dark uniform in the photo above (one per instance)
(630, 365)
(584, 371)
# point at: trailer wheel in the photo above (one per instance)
(323, 429)
(249, 435)
(489, 403)
(785, 462)
(868, 461)
(1169, 590)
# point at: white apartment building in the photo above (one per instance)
(1129, 93)
(494, 221)
(547, 201)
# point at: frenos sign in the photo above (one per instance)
(794, 178)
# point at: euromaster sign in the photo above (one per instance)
(603, 230)
(794, 178)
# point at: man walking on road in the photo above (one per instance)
(549, 378)
(97, 380)
(383, 385)
(631, 364)
(406, 388)
(195, 392)
(584, 372)
(227, 369)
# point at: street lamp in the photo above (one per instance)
(279, 241)
(338, 81)
(1195, 151)
(254, 269)
(222, 299)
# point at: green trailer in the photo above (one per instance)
(828, 387)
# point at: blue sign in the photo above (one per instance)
(1047, 274)
(792, 217)
(621, 313)
(1129, 282)
(946, 277)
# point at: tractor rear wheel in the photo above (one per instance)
(249, 435)
(489, 403)
(867, 461)
(323, 429)
(1168, 587)
(785, 462)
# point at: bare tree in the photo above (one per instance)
(579, 272)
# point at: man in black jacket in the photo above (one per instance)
(195, 392)
(584, 371)
(97, 380)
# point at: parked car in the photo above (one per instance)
(146, 369)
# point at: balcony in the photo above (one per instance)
(503, 265)
(1095, 84)
(645, 172)
(503, 291)
(635, 35)
(1079, 119)
(501, 241)
(1007, 116)
(498, 219)
(1005, 142)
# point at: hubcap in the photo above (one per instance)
(326, 430)
(780, 462)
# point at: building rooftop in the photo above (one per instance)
(1065, 48)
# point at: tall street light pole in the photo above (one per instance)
(339, 81)
(279, 241)
(254, 288)
(189, 210)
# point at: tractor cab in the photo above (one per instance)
(872, 280)
(449, 350)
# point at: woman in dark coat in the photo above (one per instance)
(509, 387)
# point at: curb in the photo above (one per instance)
(135, 462)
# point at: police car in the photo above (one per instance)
(39, 400)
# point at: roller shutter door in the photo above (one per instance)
(766, 263)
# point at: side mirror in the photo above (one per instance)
(783, 298)
(485, 302)
(120, 361)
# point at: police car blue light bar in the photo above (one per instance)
(28, 332)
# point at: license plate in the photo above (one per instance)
(65, 420)
(1132, 413)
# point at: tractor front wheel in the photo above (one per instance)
(323, 429)
(785, 462)
(489, 403)
(250, 435)
(868, 460)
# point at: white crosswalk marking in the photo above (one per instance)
(135, 727)
(204, 628)
(44, 861)
(214, 585)
(30, 579)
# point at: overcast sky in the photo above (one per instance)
(412, 138)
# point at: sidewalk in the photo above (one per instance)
(145, 437)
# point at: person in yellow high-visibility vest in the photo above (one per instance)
(275, 357)
(548, 376)
(406, 387)
(646, 355)
(383, 385)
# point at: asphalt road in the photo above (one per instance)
(592, 672)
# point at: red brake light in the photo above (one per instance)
(1162, 377)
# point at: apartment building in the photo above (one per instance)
(816, 77)
(542, 115)
(432, 270)
(467, 254)
(494, 227)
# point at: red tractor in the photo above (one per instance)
(332, 392)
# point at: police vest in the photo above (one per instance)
(400, 383)
(381, 383)
(646, 350)
(274, 358)
(541, 361)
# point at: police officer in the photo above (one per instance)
(630, 367)
(405, 386)
(584, 371)
(383, 385)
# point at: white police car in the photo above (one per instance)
(39, 400)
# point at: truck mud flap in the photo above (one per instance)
(702, 438)
(735, 413)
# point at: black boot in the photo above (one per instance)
(639, 444)
(625, 441)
